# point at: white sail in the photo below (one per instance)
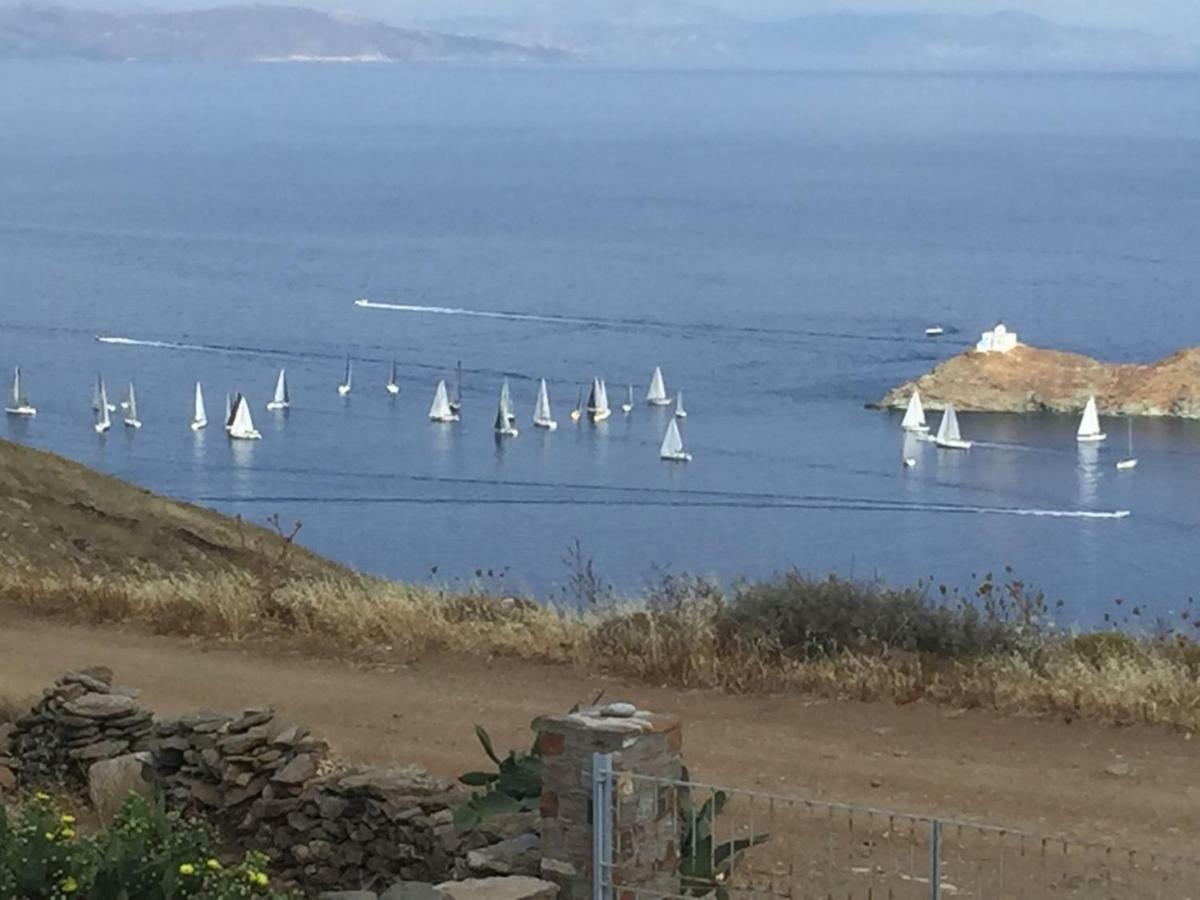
(506, 403)
(504, 424)
(656, 394)
(914, 416)
(103, 420)
(542, 416)
(680, 412)
(131, 410)
(347, 379)
(242, 428)
(1089, 425)
(948, 432)
(627, 406)
(96, 395)
(393, 382)
(18, 398)
(672, 444)
(598, 401)
(604, 395)
(282, 398)
(439, 410)
(199, 417)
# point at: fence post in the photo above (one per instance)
(602, 816)
(935, 859)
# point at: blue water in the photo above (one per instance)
(776, 242)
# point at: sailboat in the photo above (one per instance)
(440, 410)
(597, 406)
(656, 394)
(506, 401)
(199, 417)
(672, 445)
(627, 406)
(282, 399)
(542, 417)
(456, 400)
(1129, 462)
(504, 426)
(393, 383)
(914, 416)
(103, 421)
(1089, 425)
(20, 405)
(577, 412)
(347, 379)
(96, 396)
(131, 410)
(680, 412)
(230, 406)
(948, 435)
(242, 427)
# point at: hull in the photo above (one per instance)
(245, 436)
(576, 415)
(507, 432)
(343, 390)
(680, 414)
(135, 424)
(197, 426)
(101, 429)
(1126, 464)
(917, 429)
(273, 406)
(548, 424)
(393, 389)
(27, 411)
(599, 415)
(627, 408)
(1090, 438)
(934, 332)
(954, 445)
(444, 419)
(676, 457)
(660, 401)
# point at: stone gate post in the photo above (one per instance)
(645, 843)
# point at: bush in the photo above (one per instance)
(146, 854)
(1101, 647)
(806, 618)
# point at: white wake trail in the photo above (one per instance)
(165, 345)
(477, 313)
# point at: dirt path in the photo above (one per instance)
(1044, 775)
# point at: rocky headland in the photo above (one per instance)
(1030, 379)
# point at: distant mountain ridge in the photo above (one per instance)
(677, 32)
(638, 33)
(239, 33)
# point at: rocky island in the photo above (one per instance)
(1003, 375)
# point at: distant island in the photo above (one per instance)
(241, 34)
(627, 33)
(1024, 379)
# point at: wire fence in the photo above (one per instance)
(735, 844)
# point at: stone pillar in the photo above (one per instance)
(645, 851)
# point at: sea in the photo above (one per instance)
(776, 242)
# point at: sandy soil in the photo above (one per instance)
(1049, 776)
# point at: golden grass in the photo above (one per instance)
(1119, 680)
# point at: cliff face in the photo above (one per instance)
(1029, 379)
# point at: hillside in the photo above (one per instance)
(58, 517)
(238, 34)
(1030, 379)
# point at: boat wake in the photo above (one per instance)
(597, 322)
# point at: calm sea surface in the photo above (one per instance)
(776, 242)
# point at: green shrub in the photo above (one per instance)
(806, 618)
(147, 854)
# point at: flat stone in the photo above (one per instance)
(1119, 770)
(412, 890)
(251, 718)
(89, 681)
(99, 750)
(517, 856)
(618, 710)
(111, 781)
(101, 706)
(298, 771)
(518, 888)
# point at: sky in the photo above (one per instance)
(1175, 18)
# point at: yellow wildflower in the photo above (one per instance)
(187, 869)
(67, 819)
(261, 880)
(67, 833)
(49, 835)
(41, 795)
(69, 885)
(214, 865)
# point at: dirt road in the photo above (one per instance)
(1044, 775)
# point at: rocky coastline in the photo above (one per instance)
(1031, 379)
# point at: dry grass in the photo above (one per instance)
(687, 644)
